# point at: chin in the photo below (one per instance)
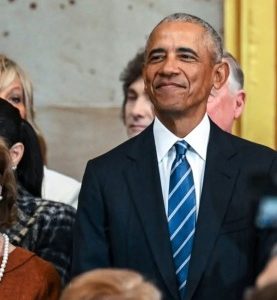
(132, 133)
(171, 111)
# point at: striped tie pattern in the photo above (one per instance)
(181, 213)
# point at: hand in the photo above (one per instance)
(269, 274)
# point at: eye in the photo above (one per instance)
(15, 100)
(187, 57)
(131, 96)
(157, 57)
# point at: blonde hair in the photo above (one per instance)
(9, 70)
(110, 284)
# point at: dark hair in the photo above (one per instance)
(14, 129)
(130, 74)
(214, 38)
(8, 188)
(235, 69)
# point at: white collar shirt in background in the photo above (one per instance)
(196, 154)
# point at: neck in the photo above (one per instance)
(181, 126)
(2, 242)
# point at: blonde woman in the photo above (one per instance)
(16, 87)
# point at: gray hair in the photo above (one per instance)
(236, 76)
(215, 39)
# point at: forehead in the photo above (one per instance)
(137, 84)
(174, 34)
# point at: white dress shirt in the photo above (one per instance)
(196, 154)
(59, 187)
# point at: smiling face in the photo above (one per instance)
(179, 70)
(138, 112)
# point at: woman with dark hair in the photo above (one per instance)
(43, 227)
(21, 138)
(22, 273)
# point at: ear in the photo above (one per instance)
(221, 73)
(240, 103)
(16, 153)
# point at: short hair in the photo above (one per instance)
(216, 48)
(9, 70)
(236, 76)
(110, 284)
(131, 73)
(8, 191)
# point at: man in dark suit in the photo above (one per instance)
(126, 204)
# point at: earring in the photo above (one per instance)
(14, 167)
(1, 197)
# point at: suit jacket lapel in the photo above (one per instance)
(143, 178)
(220, 175)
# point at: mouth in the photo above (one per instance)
(137, 127)
(169, 84)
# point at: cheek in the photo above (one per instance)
(128, 110)
(148, 81)
(22, 110)
(151, 111)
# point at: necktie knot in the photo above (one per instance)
(181, 148)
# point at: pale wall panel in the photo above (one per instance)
(74, 54)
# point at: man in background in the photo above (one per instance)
(137, 110)
(227, 104)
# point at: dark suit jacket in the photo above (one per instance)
(121, 220)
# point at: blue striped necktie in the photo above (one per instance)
(181, 213)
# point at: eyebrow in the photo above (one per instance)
(154, 51)
(180, 49)
(131, 91)
(185, 49)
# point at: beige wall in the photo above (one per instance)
(74, 52)
(76, 135)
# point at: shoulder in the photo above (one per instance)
(60, 187)
(30, 206)
(40, 272)
(59, 178)
(129, 149)
(20, 258)
(226, 140)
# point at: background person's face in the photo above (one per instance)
(138, 109)
(15, 96)
(221, 107)
(179, 71)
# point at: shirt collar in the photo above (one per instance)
(198, 138)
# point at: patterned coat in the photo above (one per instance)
(44, 227)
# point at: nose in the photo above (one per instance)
(170, 66)
(139, 109)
